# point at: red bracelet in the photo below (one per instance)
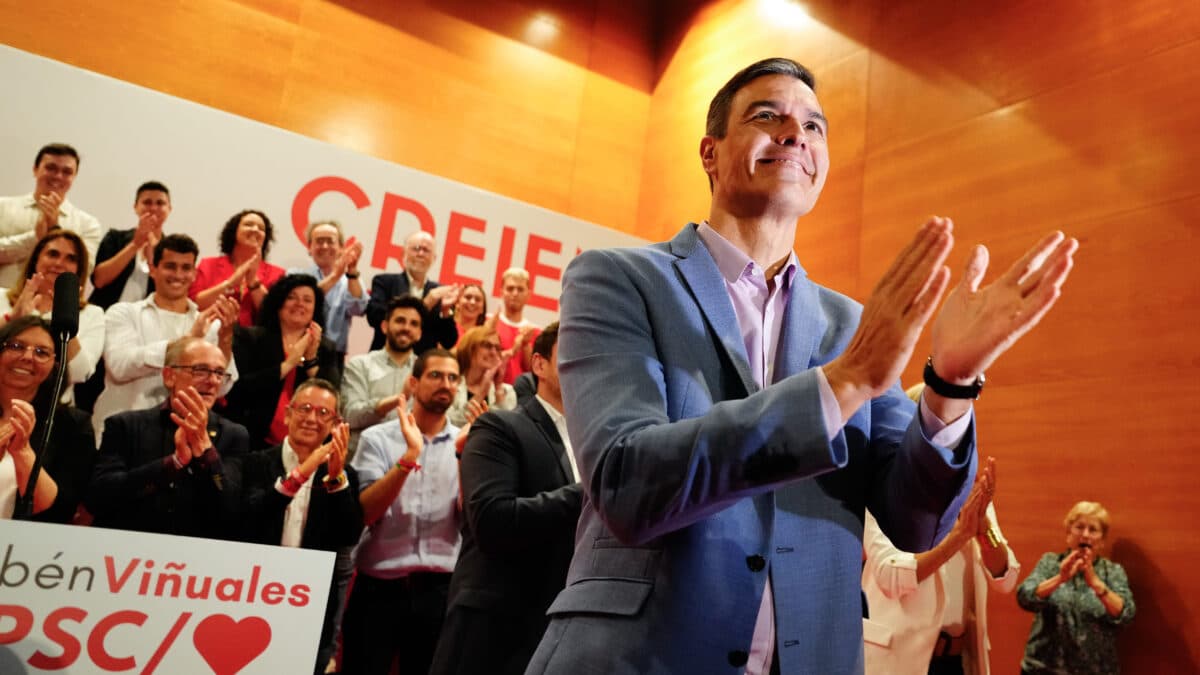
(406, 465)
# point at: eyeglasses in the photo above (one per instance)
(40, 354)
(322, 413)
(452, 378)
(201, 372)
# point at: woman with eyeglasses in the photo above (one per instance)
(1079, 598)
(27, 355)
(58, 252)
(242, 270)
(470, 310)
(482, 366)
(273, 358)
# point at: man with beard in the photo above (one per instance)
(136, 334)
(162, 469)
(373, 382)
(409, 479)
(439, 301)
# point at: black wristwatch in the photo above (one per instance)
(305, 364)
(944, 388)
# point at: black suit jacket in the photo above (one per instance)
(255, 396)
(521, 505)
(136, 487)
(334, 520)
(110, 245)
(436, 330)
(69, 460)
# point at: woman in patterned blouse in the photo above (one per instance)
(1079, 599)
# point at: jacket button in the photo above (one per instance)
(756, 563)
(738, 658)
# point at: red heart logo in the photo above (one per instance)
(227, 645)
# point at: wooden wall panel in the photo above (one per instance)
(456, 89)
(1014, 120)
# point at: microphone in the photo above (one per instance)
(64, 324)
(64, 319)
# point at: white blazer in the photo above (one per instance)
(906, 617)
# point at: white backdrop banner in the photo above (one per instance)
(91, 600)
(216, 164)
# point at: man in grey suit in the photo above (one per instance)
(732, 419)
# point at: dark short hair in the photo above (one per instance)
(717, 123)
(405, 302)
(151, 186)
(58, 150)
(229, 232)
(543, 344)
(318, 383)
(418, 368)
(179, 243)
(268, 312)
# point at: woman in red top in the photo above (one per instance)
(242, 270)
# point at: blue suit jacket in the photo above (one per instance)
(699, 484)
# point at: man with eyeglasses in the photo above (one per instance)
(301, 493)
(438, 315)
(163, 469)
(409, 478)
(136, 334)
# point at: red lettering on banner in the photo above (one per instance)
(456, 247)
(317, 187)
(95, 644)
(385, 247)
(24, 623)
(507, 235)
(55, 633)
(537, 268)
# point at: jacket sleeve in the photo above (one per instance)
(501, 520)
(648, 475)
(894, 571)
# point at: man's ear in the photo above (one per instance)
(708, 153)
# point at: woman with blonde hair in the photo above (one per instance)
(1079, 599)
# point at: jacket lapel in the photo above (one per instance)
(542, 421)
(803, 325)
(704, 280)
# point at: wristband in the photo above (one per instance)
(254, 286)
(944, 388)
(335, 483)
(351, 275)
(407, 466)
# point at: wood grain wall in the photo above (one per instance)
(456, 88)
(1013, 118)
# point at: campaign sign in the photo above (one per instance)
(92, 600)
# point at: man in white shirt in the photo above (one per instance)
(409, 478)
(26, 218)
(373, 382)
(137, 333)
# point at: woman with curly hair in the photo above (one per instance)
(274, 357)
(242, 270)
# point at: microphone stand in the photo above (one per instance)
(23, 510)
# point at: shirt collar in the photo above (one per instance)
(733, 263)
(555, 416)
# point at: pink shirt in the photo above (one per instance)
(214, 270)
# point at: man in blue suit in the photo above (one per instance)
(732, 419)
